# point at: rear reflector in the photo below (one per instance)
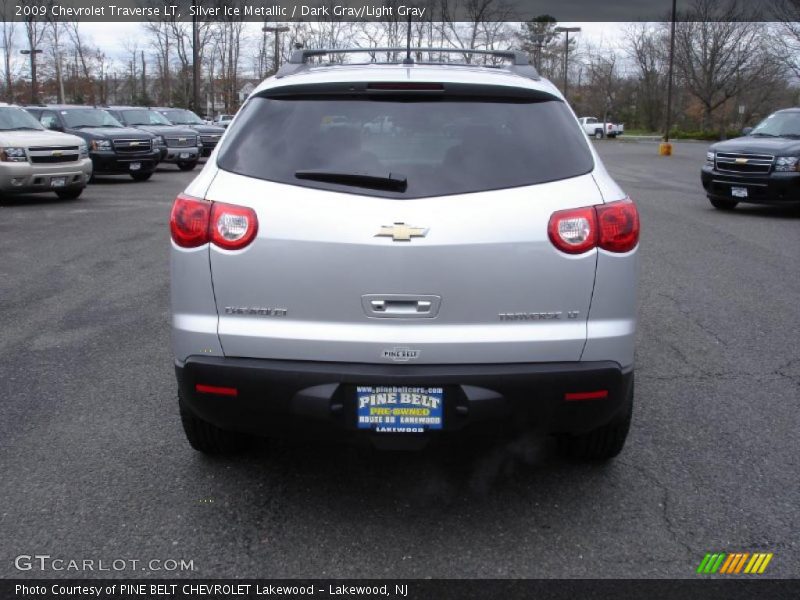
(214, 389)
(598, 395)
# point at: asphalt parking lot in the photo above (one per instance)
(95, 466)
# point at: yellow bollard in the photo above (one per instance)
(665, 149)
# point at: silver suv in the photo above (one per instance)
(470, 270)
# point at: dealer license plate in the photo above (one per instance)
(399, 409)
(58, 182)
(185, 155)
(739, 192)
(136, 166)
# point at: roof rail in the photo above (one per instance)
(299, 58)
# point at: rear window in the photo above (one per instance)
(440, 146)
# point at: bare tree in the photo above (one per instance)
(55, 30)
(604, 80)
(787, 14)
(645, 45)
(158, 32)
(8, 32)
(485, 26)
(84, 54)
(716, 50)
(539, 39)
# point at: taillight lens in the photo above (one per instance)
(613, 227)
(232, 227)
(573, 231)
(188, 222)
(195, 222)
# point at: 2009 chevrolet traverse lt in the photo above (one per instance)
(470, 269)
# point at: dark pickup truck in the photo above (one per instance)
(762, 167)
(209, 134)
(113, 148)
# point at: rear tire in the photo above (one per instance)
(187, 166)
(602, 443)
(69, 194)
(598, 134)
(141, 176)
(210, 439)
(723, 203)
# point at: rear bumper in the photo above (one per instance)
(317, 399)
(774, 188)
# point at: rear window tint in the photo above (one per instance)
(441, 146)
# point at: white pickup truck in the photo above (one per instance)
(596, 128)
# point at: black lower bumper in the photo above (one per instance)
(774, 188)
(316, 399)
(114, 164)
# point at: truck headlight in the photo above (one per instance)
(160, 140)
(101, 144)
(786, 163)
(710, 156)
(83, 151)
(13, 154)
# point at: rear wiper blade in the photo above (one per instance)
(392, 181)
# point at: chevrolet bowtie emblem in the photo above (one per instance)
(400, 232)
(741, 161)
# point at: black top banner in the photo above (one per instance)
(397, 10)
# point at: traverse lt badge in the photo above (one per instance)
(400, 232)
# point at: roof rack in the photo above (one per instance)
(299, 58)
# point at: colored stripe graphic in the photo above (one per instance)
(764, 564)
(718, 563)
(703, 563)
(729, 562)
(732, 564)
(740, 564)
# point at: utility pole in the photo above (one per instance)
(195, 61)
(33, 52)
(277, 31)
(566, 31)
(670, 76)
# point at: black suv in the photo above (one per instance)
(761, 167)
(113, 148)
(209, 134)
(179, 145)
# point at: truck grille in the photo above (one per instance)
(182, 142)
(132, 146)
(745, 164)
(210, 140)
(53, 154)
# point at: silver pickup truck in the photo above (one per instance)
(33, 159)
